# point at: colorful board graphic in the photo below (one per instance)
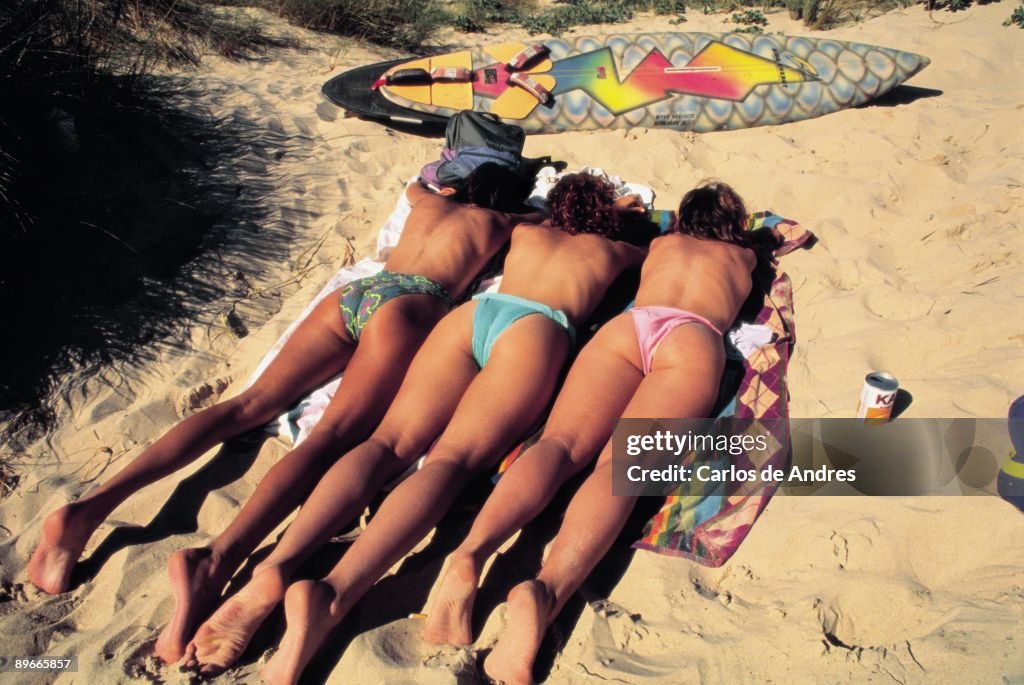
(687, 81)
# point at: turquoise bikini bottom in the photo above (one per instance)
(497, 311)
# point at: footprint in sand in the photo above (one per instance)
(840, 549)
(11, 596)
(845, 276)
(892, 305)
(615, 627)
(878, 615)
(202, 396)
(307, 125)
(360, 145)
(952, 164)
(327, 112)
(394, 653)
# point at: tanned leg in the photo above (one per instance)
(683, 383)
(386, 348)
(319, 349)
(426, 401)
(503, 401)
(595, 393)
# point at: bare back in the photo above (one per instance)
(448, 241)
(707, 277)
(567, 272)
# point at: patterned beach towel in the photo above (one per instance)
(707, 522)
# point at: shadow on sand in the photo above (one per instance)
(902, 95)
(180, 513)
(406, 592)
(125, 203)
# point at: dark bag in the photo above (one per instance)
(483, 129)
(466, 160)
(476, 138)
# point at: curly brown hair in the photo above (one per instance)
(714, 211)
(582, 203)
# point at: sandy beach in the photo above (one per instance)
(917, 203)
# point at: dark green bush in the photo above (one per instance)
(749, 18)
(405, 24)
(1016, 18)
(561, 18)
(669, 7)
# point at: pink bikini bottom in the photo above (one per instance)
(653, 324)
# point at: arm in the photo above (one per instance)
(531, 217)
(631, 255)
(630, 203)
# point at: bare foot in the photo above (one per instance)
(310, 612)
(222, 639)
(450, 618)
(197, 579)
(65, 534)
(511, 661)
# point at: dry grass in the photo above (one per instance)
(405, 24)
(824, 14)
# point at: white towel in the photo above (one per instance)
(748, 338)
(548, 177)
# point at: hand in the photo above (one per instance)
(630, 203)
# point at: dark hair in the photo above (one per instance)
(582, 203)
(714, 211)
(493, 186)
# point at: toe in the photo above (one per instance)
(210, 670)
(190, 656)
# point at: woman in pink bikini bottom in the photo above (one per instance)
(648, 362)
(654, 324)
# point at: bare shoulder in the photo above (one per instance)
(750, 258)
(629, 254)
(528, 231)
(743, 255)
(668, 241)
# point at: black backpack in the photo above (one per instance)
(483, 129)
(475, 138)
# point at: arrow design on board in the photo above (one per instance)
(718, 71)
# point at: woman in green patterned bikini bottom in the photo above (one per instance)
(364, 296)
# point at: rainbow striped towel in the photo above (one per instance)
(700, 521)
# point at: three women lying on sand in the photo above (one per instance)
(414, 374)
